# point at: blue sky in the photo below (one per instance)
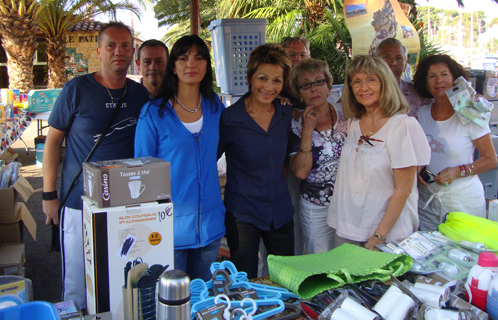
(149, 28)
(488, 6)
(147, 25)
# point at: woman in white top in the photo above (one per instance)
(455, 186)
(375, 196)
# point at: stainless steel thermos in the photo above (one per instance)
(173, 296)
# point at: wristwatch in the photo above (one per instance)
(49, 195)
(378, 237)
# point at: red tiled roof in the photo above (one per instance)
(86, 26)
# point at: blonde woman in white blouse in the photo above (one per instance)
(375, 197)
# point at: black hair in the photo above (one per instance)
(420, 78)
(169, 86)
(114, 24)
(152, 43)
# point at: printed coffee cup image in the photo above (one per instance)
(90, 186)
(136, 187)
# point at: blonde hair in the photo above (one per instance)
(391, 100)
(311, 65)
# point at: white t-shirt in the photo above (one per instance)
(450, 141)
(195, 126)
(365, 181)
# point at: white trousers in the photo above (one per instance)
(436, 201)
(293, 183)
(73, 258)
(317, 234)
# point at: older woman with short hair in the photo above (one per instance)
(315, 148)
(457, 186)
(254, 134)
(375, 199)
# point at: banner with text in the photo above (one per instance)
(372, 21)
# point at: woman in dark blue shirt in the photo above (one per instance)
(253, 134)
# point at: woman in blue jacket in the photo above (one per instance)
(181, 126)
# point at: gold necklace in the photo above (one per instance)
(370, 133)
(109, 92)
(262, 114)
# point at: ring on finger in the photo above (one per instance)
(446, 183)
(314, 114)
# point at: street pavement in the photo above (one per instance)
(43, 266)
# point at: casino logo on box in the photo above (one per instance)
(155, 238)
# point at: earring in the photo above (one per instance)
(174, 72)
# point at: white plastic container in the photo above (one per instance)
(479, 279)
(39, 154)
(233, 41)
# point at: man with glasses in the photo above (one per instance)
(393, 52)
(298, 48)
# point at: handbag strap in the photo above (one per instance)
(99, 140)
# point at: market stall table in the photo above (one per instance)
(40, 117)
(12, 129)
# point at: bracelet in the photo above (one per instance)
(470, 168)
(379, 237)
(49, 195)
(463, 171)
(304, 151)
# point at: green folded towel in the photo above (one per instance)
(311, 274)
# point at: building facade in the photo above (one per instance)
(81, 55)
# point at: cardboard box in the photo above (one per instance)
(12, 232)
(12, 259)
(9, 197)
(42, 100)
(127, 181)
(9, 155)
(15, 289)
(115, 236)
(493, 210)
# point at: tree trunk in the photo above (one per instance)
(56, 52)
(19, 42)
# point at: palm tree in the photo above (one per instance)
(320, 21)
(55, 19)
(331, 42)
(18, 29)
(176, 13)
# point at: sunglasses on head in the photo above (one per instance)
(368, 140)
